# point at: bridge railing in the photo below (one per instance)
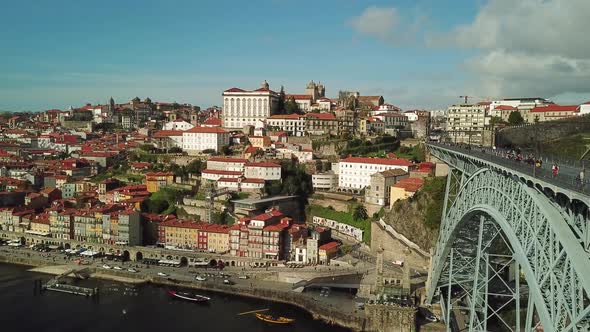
(567, 177)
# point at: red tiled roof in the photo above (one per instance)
(321, 116)
(168, 133)
(207, 130)
(556, 108)
(220, 172)
(252, 180)
(262, 165)
(140, 165)
(275, 228)
(251, 149)
(286, 116)
(329, 245)
(159, 174)
(268, 215)
(234, 90)
(378, 161)
(505, 108)
(298, 97)
(180, 224)
(213, 121)
(228, 160)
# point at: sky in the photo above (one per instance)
(416, 53)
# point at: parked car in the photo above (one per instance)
(200, 278)
(162, 274)
(132, 270)
(118, 268)
(243, 277)
(228, 282)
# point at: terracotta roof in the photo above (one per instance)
(168, 133)
(207, 130)
(275, 228)
(220, 172)
(234, 90)
(329, 245)
(213, 121)
(505, 108)
(298, 97)
(321, 116)
(268, 215)
(378, 161)
(261, 165)
(555, 108)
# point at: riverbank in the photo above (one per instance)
(319, 311)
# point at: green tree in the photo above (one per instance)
(515, 118)
(194, 167)
(154, 205)
(360, 213)
(291, 106)
(146, 147)
(226, 150)
(175, 149)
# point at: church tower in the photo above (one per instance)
(111, 104)
(312, 90)
(321, 90)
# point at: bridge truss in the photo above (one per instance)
(510, 256)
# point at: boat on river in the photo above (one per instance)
(189, 296)
(274, 320)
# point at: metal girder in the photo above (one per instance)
(549, 251)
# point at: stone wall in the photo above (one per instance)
(389, 318)
(395, 249)
(338, 205)
(526, 135)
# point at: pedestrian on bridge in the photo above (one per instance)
(555, 170)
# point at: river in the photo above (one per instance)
(144, 308)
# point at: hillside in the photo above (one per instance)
(418, 218)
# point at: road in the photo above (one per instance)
(257, 277)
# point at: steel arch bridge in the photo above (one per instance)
(513, 251)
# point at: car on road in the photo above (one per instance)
(118, 268)
(162, 274)
(107, 267)
(200, 278)
(228, 282)
(243, 277)
(132, 270)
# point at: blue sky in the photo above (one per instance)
(60, 53)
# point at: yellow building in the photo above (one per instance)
(180, 234)
(40, 225)
(259, 141)
(156, 180)
(217, 238)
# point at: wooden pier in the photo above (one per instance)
(56, 286)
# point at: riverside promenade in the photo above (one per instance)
(337, 309)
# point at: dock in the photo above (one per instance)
(71, 289)
(56, 286)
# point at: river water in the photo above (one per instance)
(123, 307)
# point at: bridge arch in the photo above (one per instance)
(554, 263)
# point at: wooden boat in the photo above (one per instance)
(189, 297)
(274, 320)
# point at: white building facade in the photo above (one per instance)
(203, 138)
(178, 124)
(466, 123)
(355, 172)
(243, 108)
(266, 171)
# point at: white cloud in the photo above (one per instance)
(528, 47)
(378, 22)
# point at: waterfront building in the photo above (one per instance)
(129, 228)
(274, 239)
(327, 251)
(355, 172)
(255, 247)
(182, 234)
(244, 108)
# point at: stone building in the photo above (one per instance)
(379, 191)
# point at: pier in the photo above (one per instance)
(56, 286)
